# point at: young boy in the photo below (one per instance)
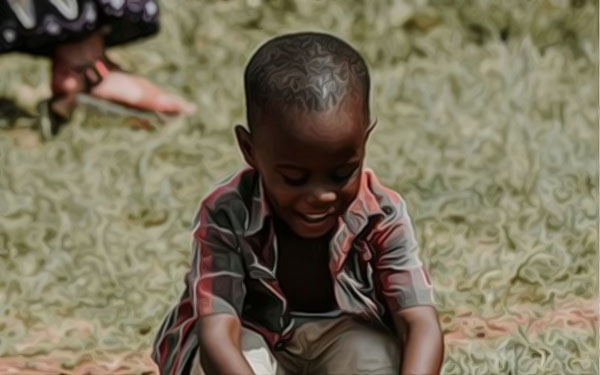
(303, 263)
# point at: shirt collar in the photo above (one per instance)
(364, 206)
(260, 210)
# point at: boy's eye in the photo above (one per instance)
(345, 173)
(294, 180)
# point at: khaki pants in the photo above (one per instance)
(340, 345)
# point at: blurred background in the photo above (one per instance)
(487, 126)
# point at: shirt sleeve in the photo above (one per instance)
(403, 280)
(216, 279)
(214, 285)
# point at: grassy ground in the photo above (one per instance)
(487, 125)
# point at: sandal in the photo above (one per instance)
(53, 114)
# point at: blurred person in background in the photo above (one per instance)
(75, 35)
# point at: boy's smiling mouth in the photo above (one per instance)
(317, 217)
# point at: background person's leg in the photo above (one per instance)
(68, 78)
(38, 27)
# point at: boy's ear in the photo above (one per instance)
(370, 128)
(244, 141)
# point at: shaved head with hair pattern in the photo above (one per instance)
(305, 71)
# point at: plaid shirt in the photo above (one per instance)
(373, 260)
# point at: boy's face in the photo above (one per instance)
(310, 163)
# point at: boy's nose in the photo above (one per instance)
(323, 196)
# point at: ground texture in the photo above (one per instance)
(487, 125)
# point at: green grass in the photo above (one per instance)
(487, 126)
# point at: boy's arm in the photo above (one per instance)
(220, 351)
(423, 345)
(208, 311)
(216, 282)
(407, 290)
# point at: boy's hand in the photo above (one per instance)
(220, 351)
(423, 345)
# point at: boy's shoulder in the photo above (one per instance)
(378, 215)
(234, 198)
(241, 185)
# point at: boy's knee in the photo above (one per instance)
(364, 351)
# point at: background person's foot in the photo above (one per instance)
(71, 62)
(137, 92)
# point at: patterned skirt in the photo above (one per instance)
(38, 26)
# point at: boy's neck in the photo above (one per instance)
(284, 232)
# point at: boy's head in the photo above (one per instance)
(307, 103)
